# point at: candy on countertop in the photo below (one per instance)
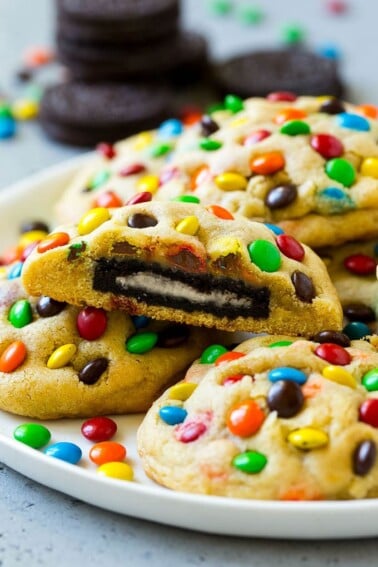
(336, 7)
(329, 50)
(250, 15)
(292, 34)
(36, 56)
(220, 7)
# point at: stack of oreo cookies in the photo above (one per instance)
(123, 47)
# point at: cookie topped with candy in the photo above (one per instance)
(309, 164)
(352, 268)
(189, 264)
(277, 418)
(58, 361)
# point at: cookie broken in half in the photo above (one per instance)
(188, 264)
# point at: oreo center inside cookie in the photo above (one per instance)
(155, 284)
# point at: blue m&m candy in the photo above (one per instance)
(287, 373)
(352, 121)
(170, 128)
(65, 451)
(172, 415)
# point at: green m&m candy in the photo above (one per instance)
(186, 199)
(211, 353)
(160, 150)
(341, 170)
(32, 434)
(141, 342)
(20, 314)
(210, 145)
(281, 344)
(233, 103)
(99, 179)
(370, 380)
(295, 127)
(250, 462)
(265, 255)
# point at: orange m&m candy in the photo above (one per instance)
(245, 418)
(220, 212)
(12, 357)
(107, 452)
(266, 164)
(289, 114)
(228, 357)
(199, 176)
(53, 241)
(368, 110)
(108, 200)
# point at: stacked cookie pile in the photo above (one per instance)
(215, 233)
(138, 45)
(125, 40)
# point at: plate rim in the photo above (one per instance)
(14, 452)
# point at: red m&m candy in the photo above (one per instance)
(290, 247)
(255, 137)
(360, 264)
(91, 323)
(190, 431)
(99, 428)
(282, 96)
(327, 146)
(369, 412)
(334, 354)
(106, 150)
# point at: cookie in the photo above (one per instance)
(122, 21)
(261, 72)
(276, 419)
(83, 115)
(308, 165)
(352, 268)
(83, 362)
(193, 62)
(189, 264)
(147, 60)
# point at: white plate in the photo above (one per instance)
(34, 198)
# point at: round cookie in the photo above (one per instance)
(81, 114)
(261, 72)
(106, 363)
(352, 268)
(289, 420)
(186, 263)
(120, 21)
(307, 165)
(146, 61)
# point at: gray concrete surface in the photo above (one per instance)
(41, 527)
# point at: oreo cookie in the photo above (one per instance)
(117, 21)
(193, 62)
(83, 115)
(261, 72)
(98, 62)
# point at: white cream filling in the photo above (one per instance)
(151, 283)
